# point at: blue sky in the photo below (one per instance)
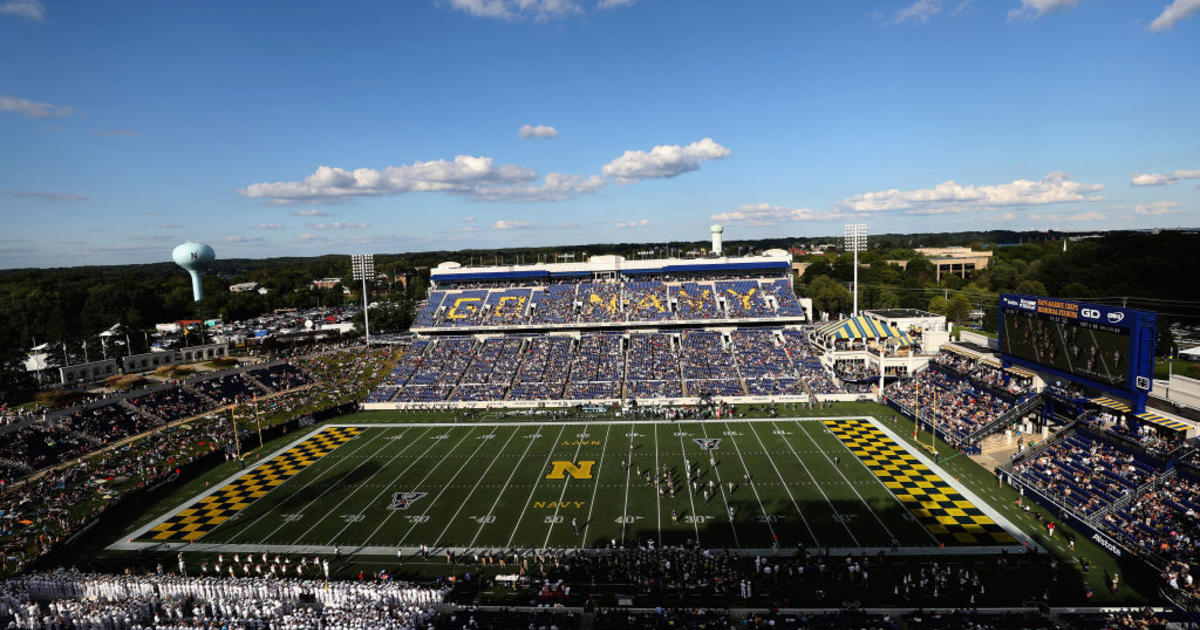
(280, 128)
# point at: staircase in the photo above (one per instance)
(12, 463)
(125, 404)
(1005, 419)
(1123, 502)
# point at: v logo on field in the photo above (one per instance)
(708, 444)
(401, 500)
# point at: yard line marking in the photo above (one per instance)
(541, 471)
(320, 479)
(445, 486)
(712, 461)
(819, 489)
(366, 461)
(520, 461)
(386, 488)
(860, 497)
(657, 496)
(786, 487)
(595, 486)
(628, 472)
(753, 485)
(687, 481)
(483, 475)
(566, 482)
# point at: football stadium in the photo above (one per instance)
(599, 315)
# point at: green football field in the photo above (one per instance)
(749, 484)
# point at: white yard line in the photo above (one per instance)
(478, 481)
(819, 489)
(657, 496)
(566, 482)
(753, 486)
(851, 484)
(628, 472)
(429, 472)
(537, 480)
(786, 487)
(358, 487)
(595, 486)
(712, 462)
(687, 468)
(508, 481)
(445, 486)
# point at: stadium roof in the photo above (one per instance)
(600, 264)
(1164, 422)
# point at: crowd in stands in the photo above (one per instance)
(984, 375)
(48, 506)
(600, 301)
(1164, 521)
(607, 366)
(70, 600)
(1084, 473)
(958, 407)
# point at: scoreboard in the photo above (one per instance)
(1109, 347)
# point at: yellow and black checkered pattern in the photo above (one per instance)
(945, 512)
(206, 514)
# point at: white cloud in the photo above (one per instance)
(32, 109)
(1156, 207)
(269, 226)
(764, 214)
(338, 225)
(614, 4)
(663, 161)
(311, 238)
(311, 213)
(117, 132)
(1056, 187)
(467, 220)
(633, 224)
(538, 131)
(539, 10)
(1177, 10)
(168, 226)
(918, 12)
(31, 9)
(1162, 179)
(464, 229)
(238, 238)
(476, 177)
(1033, 9)
(49, 196)
(511, 225)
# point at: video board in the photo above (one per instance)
(1107, 345)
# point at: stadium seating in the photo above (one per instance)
(646, 301)
(764, 363)
(696, 301)
(743, 299)
(509, 306)
(554, 304)
(173, 403)
(1084, 472)
(961, 408)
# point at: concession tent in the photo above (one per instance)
(863, 328)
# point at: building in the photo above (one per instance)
(959, 261)
(326, 283)
(243, 287)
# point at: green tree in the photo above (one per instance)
(958, 309)
(939, 305)
(828, 296)
(387, 317)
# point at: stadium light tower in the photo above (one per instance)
(363, 266)
(856, 241)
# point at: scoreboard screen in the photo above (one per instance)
(1103, 344)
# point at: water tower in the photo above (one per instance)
(195, 258)
(716, 239)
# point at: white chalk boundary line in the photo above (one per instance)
(131, 543)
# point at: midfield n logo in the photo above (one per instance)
(583, 470)
(401, 500)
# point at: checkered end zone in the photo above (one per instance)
(204, 515)
(946, 513)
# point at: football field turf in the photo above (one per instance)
(745, 484)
